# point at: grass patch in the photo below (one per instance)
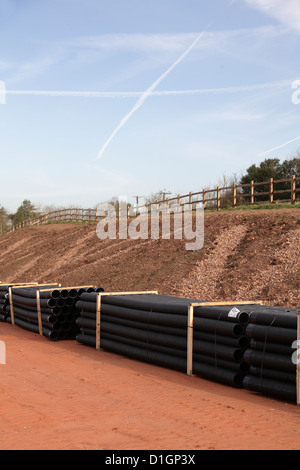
(76, 222)
(282, 205)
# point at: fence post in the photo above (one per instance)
(234, 195)
(218, 198)
(252, 191)
(271, 190)
(293, 189)
(204, 198)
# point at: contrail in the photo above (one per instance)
(150, 90)
(280, 146)
(235, 89)
(75, 94)
(137, 94)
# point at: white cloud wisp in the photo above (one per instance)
(287, 12)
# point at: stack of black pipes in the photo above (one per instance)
(272, 332)
(4, 302)
(57, 306)
(153, 328)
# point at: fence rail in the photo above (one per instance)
(212, 199)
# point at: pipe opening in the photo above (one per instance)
(64, 294)
(244, 318)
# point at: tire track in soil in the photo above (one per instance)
(205, 280)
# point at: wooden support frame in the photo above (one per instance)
(63, 287)
(11, 306)
(15, 286)
(98, 322)
(19, 284)
(190, 326)
(38, 299)
(38, 302)
(98, 309)
(38, 307)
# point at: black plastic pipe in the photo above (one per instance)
(273, 334)
(238, 366)
(163, 322)
(147, 346)
(18, 299)
(33, 308)
(30, 292)
(48, 333)
(278, 317)
(168, 304)
(276, 348)
(32, 317)
(224, 376)
(230, 340)
(179, 321)
(204, 347)
(269, 360)
(273, 374)
(270, 387)
(64, 294)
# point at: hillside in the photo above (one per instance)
(247, 255)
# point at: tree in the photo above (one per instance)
(291, 167)
(24, 212)
(272, 168)
(4, 220)
(159, 196)
(269, 168)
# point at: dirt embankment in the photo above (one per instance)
(247, 255)
(68, 396)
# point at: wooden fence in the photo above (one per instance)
(270, 191)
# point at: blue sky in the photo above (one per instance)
(128, 97)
